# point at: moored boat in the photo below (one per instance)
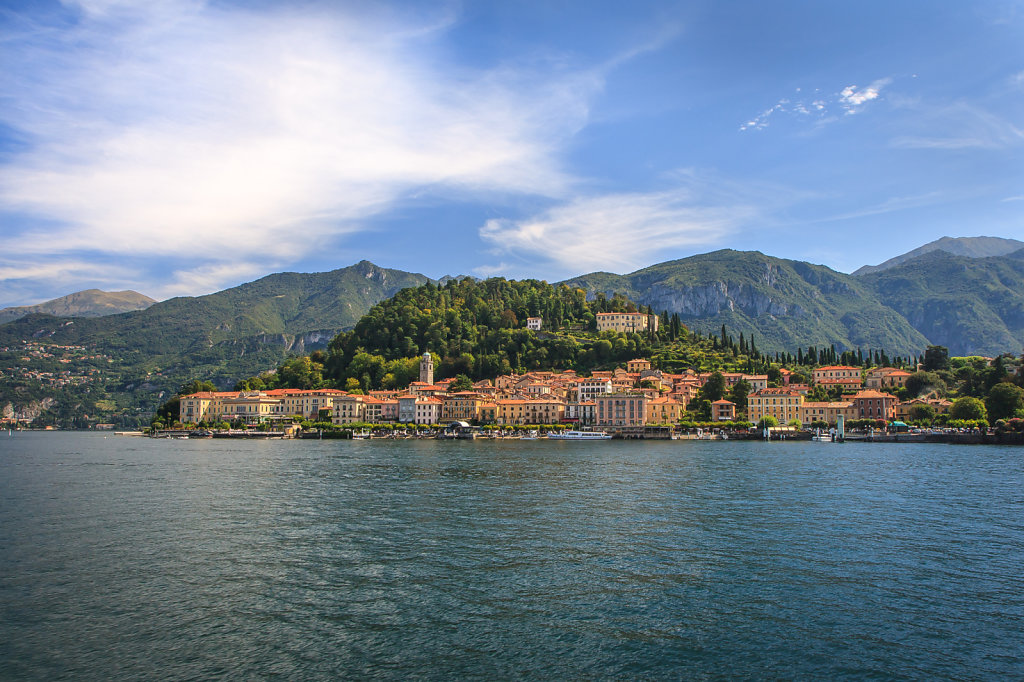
(580, 435)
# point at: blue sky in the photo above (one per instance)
(179, 147)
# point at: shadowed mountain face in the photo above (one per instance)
(88, 303)
(971, 247)
(785, 304)
(970, 305)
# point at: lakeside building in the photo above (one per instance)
(664, 410)
(828, 412)
(256, 405)
(621, 409)
(627, 323)
(723, 410)
(781, 403)
(940, 405)
(870, 404)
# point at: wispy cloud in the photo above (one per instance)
(959, 125)
(620, 232)
(184, 128)
(817, 106)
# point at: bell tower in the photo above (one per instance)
(427, 369)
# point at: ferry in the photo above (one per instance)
(580, 435)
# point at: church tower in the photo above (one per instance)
(427, 369)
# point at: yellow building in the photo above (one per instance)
(461, 406)
(626, 322)
(811, 412)
(664, 410)
(518, 411)
(781, 403)
(638, 365)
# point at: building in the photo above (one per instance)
(637, 366)
(510, 411)
(723, 411)
(626, 322)
(427, 369)
(886, 377)
(870, 404)
(418, 409)
(461, 406)
(664, 410)
(587, 389)
(781, 403)
(940, 405)
(350, 409)
(848, 378)
(581, 412)
(534, 323)
(621, 409)
(829, 413)
(256, 406)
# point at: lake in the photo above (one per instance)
(127, 557)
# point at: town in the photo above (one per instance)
(628, 401)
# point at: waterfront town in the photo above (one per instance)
(622, 400)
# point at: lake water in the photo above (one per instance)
(165, 559)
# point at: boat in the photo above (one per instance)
(580, 435)
(822, 437)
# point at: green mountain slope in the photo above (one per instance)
(971, 247)
(970, 305)
(785, 304)
(88, 303)
(223, 336)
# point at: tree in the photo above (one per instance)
(935, 358)
(920, 382)
(196, 386)
(739, 394)
(461, 383)
(922, 413)
(1004, 400)
(714, 388)
(968, 408)
(767, 421)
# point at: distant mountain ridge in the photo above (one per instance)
(88, 303)
(971, 247)
(786, 304)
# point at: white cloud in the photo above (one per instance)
(179, 128)
(850, 100)
(620, 232)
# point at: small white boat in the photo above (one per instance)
(580, 435)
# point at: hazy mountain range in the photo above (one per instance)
(88, 303)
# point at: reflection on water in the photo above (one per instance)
(171, 559)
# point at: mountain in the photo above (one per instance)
(971, 247)
(785, 304)
(88, 303)
(221, 337)
(970, 305)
